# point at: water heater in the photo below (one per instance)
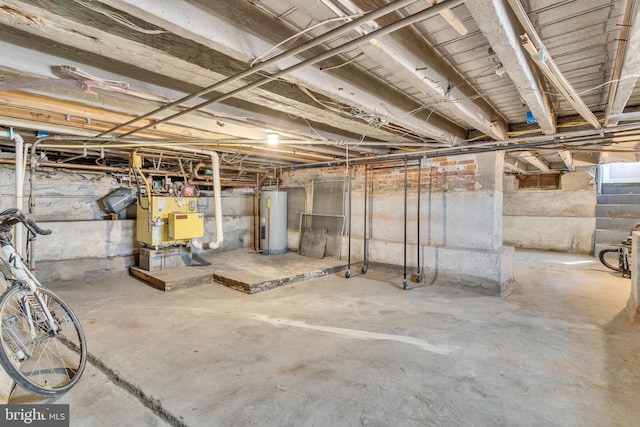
(273, 222)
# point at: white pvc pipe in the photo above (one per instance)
(217, 191)
(20, 172)
(217, 197)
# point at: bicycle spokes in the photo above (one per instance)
(42, 359)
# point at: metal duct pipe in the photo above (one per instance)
(398, 4)
(411, 19)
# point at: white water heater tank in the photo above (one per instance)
(273, 222)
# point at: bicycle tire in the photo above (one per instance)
(606, 263)
(56, 361)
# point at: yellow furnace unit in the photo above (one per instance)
(168, 220)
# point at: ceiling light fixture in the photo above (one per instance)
(272, 138)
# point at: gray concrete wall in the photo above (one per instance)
(557, 220)
(461, 218)
(86, 239)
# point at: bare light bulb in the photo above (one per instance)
(272, 138)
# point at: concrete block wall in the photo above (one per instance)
(557, 220)
(460, 214)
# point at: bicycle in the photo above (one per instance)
(619, 258)
(42, 345)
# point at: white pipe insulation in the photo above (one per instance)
(20, 173)
(217, 197)
(217, 192)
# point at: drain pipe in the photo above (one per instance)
(217, 197)
(19, 197)
(217, 192)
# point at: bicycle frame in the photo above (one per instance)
(24, 276)
(38, 351)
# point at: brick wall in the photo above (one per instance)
(438, 174)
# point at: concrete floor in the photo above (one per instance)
(361, 351)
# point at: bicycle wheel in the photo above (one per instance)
(610, 258)
(50, 363)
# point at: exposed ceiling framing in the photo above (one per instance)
(335, 79)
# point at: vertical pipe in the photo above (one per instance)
(32, 206)
(348, 273)
(19, 231)
(364, 221)
(19, 184)
(404, 274)
(419, 269)
(256, 216)
(269, 225)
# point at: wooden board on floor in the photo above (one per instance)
(174, 278)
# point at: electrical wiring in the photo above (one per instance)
(235, 158)
(372, 119)
(262, 56)
(342, 64)
(331, 106)
(632, 76)
(313, 130)
(118, 18)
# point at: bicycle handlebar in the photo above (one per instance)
(12, 216)
(35, 229)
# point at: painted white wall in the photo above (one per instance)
(620, 173)
(557, 220)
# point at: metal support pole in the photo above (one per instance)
(364, 221)
(419, 271)
(348, 273)
(404, 275)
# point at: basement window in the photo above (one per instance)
(542, 181)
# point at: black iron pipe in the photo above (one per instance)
(418, 271)
(326, 37)
(404, 276)
(364, 220)
(370, 217)
(348, 273)
(397, 25)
